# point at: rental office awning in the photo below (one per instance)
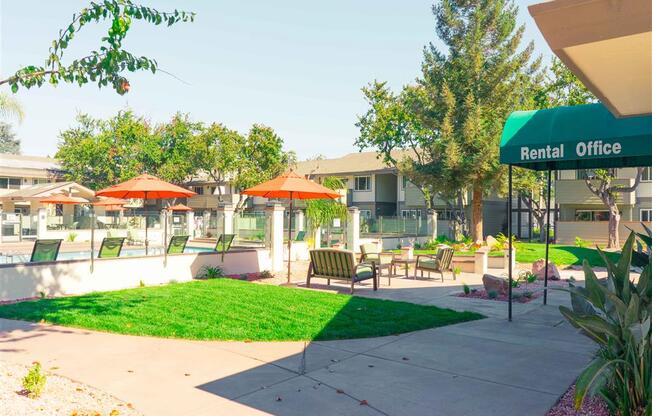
(578, 137)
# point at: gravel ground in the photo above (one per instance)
(61, 397)
(593, 406)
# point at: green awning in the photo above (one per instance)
(579, 137)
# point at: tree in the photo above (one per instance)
(106, 65)
(8, 141)
(321, 212)
(261, 158)
(453, 117)
(531, 186)
(177, 144)
(10, 107)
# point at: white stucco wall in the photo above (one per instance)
(73, 277)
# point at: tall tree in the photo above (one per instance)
(106, 65)
(10, 107)
(8, 141)
(461, 100)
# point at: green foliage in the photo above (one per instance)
(266, 274)
(492, 294)
(582, 243)
(466, 288)
(8, 141)
(10, 107)
(561, 87)
(71, 236)
(528, 294)
(105, 66)
(643, 253)
(616, 314)
(211, 272)
(34, 381)
(502, 242)
(321, 212)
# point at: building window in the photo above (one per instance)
(365, 213)
(199, 190)
(646, 176)
(38, 181)
(9, 183)
(411, 213)
(363, 183)
(58, 210)
(589, 215)
(404, 181)
(444, 214)
(646, 215)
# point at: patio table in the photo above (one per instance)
(397, 261)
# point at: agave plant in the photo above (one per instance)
(642, 254)
(616, 313)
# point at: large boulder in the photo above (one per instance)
(491, 241)
(495, 283)
(539, 269)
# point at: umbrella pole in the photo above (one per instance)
(92, 239)
(165, 239)
(290, 238)
(145, 211)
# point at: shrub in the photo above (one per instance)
(266, 274)
(616, 314)
(71, 236)
(210, 272)
(466, 288)
(417, 246)
(492, 294)
(502, 242)
(141, 283)
(34, 381)
(580, 242)
(517, 295)
(528, 294)
(457, 270)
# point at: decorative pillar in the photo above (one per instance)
(206, 222)
(227, 211)
(274, 213)
(190, 224)
(432, 224)
(481, 263)
(0, 225)
(42, 223)
(353, 230)
(299, 220)
(317, 237)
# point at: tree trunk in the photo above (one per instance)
(542, 227)
(614, 222)
(477, 213)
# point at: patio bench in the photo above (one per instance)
(330, 264)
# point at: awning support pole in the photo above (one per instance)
(545, 275)
(509, 244)
(92, 239)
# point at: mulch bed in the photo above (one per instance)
(592, 406)
(533, 290)
(250, 277)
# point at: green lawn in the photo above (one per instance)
(226, 309)
(560, 254)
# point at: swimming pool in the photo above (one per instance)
(11, 258)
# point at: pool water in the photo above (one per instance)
(10, 258)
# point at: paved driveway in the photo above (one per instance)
(486, 367)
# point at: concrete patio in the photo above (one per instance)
(486, 367)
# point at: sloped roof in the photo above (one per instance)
(21, 165)
(42, 190)
(349, 164)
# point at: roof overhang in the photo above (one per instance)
(607, 44)
(579, 137)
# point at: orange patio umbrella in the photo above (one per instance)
(63, 200)
(110, 204)
(291, 186)
(180, 208)
(146, 187)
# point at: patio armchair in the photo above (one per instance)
(111, 247)
(326, 263)
(224, 242)
(382, 260)
(177, 244)
(45, 250)
(439, 263)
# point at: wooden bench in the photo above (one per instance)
(333, 264)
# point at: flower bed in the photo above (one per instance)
(522, 294)
(593, 406)
(251, 277)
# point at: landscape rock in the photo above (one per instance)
(495, 283)
(538, 268)
(491, 241)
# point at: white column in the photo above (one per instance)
(299, 220)
(0, 225)
(353, 230)
(481, 263)
(190, 224)
(275, 229)
(317, 237)
(42, 223)
(206, 222)
(227, 211)
(432, 224)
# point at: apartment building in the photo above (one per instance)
(19, 171)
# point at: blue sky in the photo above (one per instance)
(296, 66)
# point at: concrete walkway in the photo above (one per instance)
(486, 367)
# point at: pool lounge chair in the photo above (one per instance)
(224, 242)
(301, 235)
(177, 244)
(45, 250)
(326, 263)
(111, 247)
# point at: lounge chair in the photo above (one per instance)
(45, 250)
(224, 242)
(382, 260)
(439, 263)
(177, 244)
(326, 263)
(301, 235)
(111, 247)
